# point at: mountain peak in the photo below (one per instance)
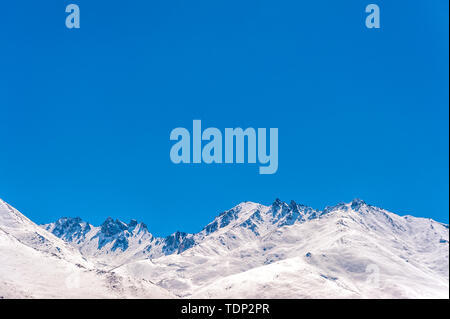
(111, 227)
(357, 203)
(69, 228)
(133, 223)
(176, 242)
(278, 202)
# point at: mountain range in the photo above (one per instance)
(350, 250)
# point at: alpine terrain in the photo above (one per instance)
(351, 250)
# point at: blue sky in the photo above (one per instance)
(86, 114)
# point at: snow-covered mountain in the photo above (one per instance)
(351, 250)
(292, 251)
(114, 242)
(36, 264)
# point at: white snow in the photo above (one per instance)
(36, 264)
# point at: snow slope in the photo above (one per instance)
(350, 250)
(36, 264)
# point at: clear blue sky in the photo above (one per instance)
(85, 115)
